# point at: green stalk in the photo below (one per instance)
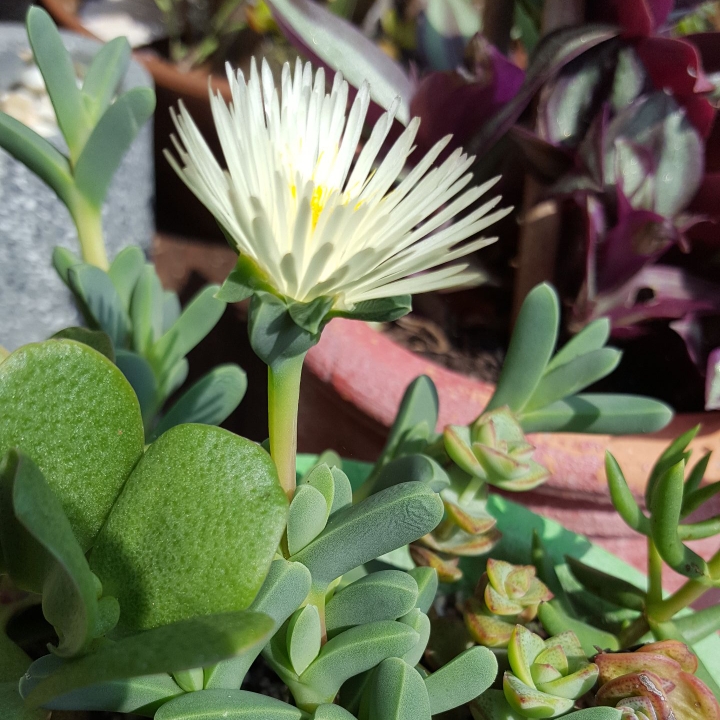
(655, 575)
(283, 399)
(88, 221)
(691, 591)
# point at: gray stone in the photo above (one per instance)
(34, 303)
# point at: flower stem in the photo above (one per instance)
(88, 221)
(283, 399)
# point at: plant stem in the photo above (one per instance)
(631, 634)
(691, 591)
(283, 399)
(655, 575)
(497, 23)
(88, 221)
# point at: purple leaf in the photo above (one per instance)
(674, 66)
(545, 160)
(453, 103)
(656, 292)
(712, 381)
(336, 44)
(638, 18)
(555, 51)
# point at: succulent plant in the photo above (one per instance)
(546, 677)
(506, 595)
(494, 449)
(656, 682)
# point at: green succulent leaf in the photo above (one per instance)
(146, 310)
(614, 589)
(381, 310)
(343, 495)
(461, 680)
(592, 337)
(698, 625)
(311, 316)
(184, 645)
(533, 703)
(99, 296)
(351, 653)
(285, 588)
(427, 582)
(229, 705)
(695, 478)
(665, 518)
(13, 707)
(623, 499)
(321, 478)
(555, 621)
(42, 555)
(141, 377)
(700, 530)
(307, 517)
(397, 692)
(171, 309)
(420, 623)
(672, 455)
(36, 383)
(108, 142)
(38, 155)
(197, 320)
(104, 75)
(383, 595)
(331, 711)
(62, 261)
(419, 406)
(210, 557)
(597, 413)
(125, 272)
(141, 694)
(96, 339)
(573, 376)
(412, 468)
(382, 523)
(209, 401)
(530, 349)
(58, 72)
(304, 635)
(694, 500)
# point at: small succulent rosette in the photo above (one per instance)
(506, 595)
(546, 677)
(656, 682)
(496, 450)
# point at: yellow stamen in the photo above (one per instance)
(317, 202)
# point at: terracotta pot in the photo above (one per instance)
(355, 380)
(177, 210)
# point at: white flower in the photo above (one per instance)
(311, 212)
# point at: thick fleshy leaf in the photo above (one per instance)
(181, 646)
(227, 704)
(397, 692)
(42, 555)
(196, 321)
(530, 702)
(614, 589)
(146, 310)
(304, 635)
(373, 527)
(555, 620)
(109, 141)
(596, 413)
(306, 518)
(531, 346)
(592, 337)
(99, 296)
(141, 377)
(209, 401)
(337, 44)
(380, 310)
(58, 73)
(211, 558)
(140, 694)
(106, 71)
(103, 418)
(461, 680)
(285, 587)
(124, 272)
(427, 582)
(383, 595)
(13, 707)
(351, 653)
(96, 339)
(412, 468)
(37, 154)
(420, 623)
